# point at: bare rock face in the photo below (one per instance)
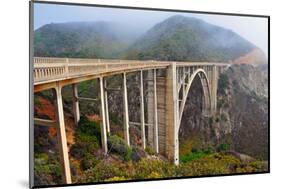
(241, 120)
(254, 57)
(250, 78)
(243, 110)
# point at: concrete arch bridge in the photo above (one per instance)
(168, 86)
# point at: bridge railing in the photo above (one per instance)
(50, 69)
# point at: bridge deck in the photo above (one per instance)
(70, 70)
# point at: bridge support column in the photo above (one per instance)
(61, 135)
(106, 107)
(172, 146)
(102, 112)
(150, 108)
(76, 112)
(142, 111)
(156, 146)
(126, 112)
(152, 113)
(161, 110)
(214, 86)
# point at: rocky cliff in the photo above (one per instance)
(241, 121)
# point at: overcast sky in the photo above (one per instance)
(253, 29)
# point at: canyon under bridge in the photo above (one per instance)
(168, 87)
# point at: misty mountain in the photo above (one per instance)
(177, 38)
(83, 39)
(184, 38)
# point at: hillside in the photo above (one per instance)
(184, 38)
(177, 38)
(82, 39)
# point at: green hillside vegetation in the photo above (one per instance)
(88, 163)
(80, 39)
(177, 38)
(196, 163)
(182, 38)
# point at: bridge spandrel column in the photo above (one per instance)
(150, 108)
(61, 135)
(156, 146)
(142, 111)
(161, 109)
(106, 107)
(102, 112)
(125, 109)
(172, 115)
(75, 105)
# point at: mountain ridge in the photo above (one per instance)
(186, 38)
(177, 38)
(80, 39)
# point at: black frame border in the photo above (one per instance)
(31, 105)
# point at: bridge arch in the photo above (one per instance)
(206, 93)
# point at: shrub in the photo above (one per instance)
(223, 147)
(89, 161)
(155, 175)
(47, 168)
(137, 154)
(147, 168)
(208, 165)
(151, 168)
(118, 145)
(208, 149)
(194, 149)
(259, 166)
(116, 179)
(192, 156)
(104, 170)
(87, 138)
(88, 131)
(149, 150)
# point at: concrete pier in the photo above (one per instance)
(150, 109)
(106, 106)
(143, 139)
(125, 111)
(61, 135)
(75, 106)
(103, 116)
(155, 123)
(172, 152)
